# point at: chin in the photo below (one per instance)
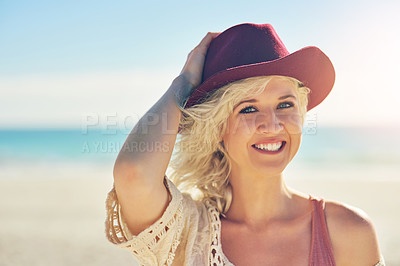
(271, 170)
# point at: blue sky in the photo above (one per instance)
(62, 61)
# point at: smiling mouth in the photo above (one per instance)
(270, 147)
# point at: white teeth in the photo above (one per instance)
(270, 146)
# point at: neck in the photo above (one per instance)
(258, 200)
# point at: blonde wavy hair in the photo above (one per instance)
(200, 164)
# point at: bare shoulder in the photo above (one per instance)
(352, 234)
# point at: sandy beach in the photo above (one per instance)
(55, 215)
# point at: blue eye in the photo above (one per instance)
(247, 110)
(285, 105)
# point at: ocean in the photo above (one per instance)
(329, 147)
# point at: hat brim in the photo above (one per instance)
(308, 65)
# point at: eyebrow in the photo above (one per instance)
(287, 96)
(255, 100)
(245, 101)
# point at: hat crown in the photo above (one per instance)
(243, 44)
(251, 50)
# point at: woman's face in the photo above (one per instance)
(264, 132)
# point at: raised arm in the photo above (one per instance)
(143, 160)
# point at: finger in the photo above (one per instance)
(205, 42)
(202, 47)
(195, 59)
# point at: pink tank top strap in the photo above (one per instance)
(321, 253)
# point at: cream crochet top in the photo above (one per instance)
(188, 233)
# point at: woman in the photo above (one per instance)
(239, 106)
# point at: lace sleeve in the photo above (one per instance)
(155, 245)
(381, 262)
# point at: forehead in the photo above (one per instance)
(276, 88)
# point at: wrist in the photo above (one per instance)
(182, 89)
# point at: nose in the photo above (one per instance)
(268, 123)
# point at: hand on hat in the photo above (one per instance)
(193, 69)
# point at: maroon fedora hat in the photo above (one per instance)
(249, 50)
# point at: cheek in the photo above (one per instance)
(241, 127)
(292, 123)
(294, 126)
(237, 132)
